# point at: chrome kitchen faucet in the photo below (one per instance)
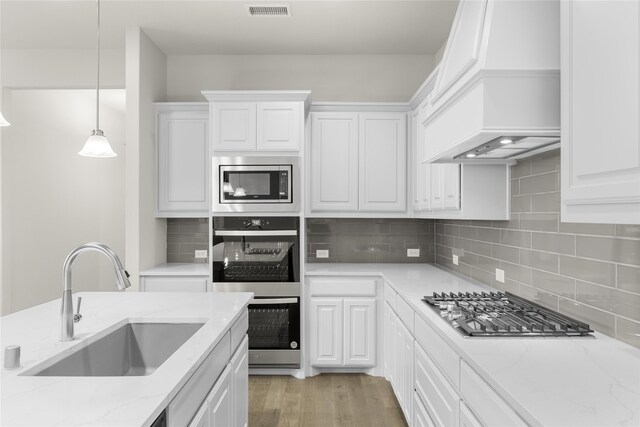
(122, 281)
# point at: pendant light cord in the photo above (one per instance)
(98, 74)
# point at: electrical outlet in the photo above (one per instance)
(202, 253)
(322, 253)
(455, 260)
(500, 275)
(413, 253)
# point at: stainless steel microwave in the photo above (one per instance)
(255, 184)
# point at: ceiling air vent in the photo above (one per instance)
(269, 10)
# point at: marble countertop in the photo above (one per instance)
(107, 401)
(562, 381)
(178, 269)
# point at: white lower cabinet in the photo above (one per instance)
(421, 417)
(343, 332)
(202, 418)
(240, 385)
(467, 419)
(439, 397)
(342, 321)
(219, 401)
(227, 402)
(399, 360)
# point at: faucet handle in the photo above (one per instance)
(77, 317)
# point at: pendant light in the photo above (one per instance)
(97, 144)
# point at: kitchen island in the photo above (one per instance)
(546, 381)
(111, 400)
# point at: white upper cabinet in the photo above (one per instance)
(234, 126)
(182, 150)
(382, 161)
(279, 126)
(334, 162)
(600, 110)
(445, 186)
(358, 162)
(261, 121)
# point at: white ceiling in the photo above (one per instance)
(224, 27)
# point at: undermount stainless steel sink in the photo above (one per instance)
(134, 349)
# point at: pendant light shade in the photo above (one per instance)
(3, 121)
(97, 144)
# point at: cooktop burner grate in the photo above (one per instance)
(502, 314)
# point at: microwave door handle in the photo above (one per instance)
(273, 301)
(248, 233)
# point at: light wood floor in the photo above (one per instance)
(327, 400)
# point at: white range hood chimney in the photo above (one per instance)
(497, 94)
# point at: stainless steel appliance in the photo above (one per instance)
(498, 314)
(255, 184)
(262, 255)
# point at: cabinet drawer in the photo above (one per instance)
(342, 286)
(405, 313)
(239, 330)
(421, 417)
(439, 398)
(490, 408)
(438, 350)
(390, 295)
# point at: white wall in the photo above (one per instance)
(52, 198)
(48, 69)
(329, 77)
(146, 77)
(61, 68)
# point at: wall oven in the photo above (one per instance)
(255, 184)
(262, 255)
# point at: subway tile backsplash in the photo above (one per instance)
(370, 240)
(184, 237)
(588, 271)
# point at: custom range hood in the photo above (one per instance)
(497, 94)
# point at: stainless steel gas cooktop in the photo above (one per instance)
(489, 314)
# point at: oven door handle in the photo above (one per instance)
(260, 301)
(255, 232)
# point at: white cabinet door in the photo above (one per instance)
(467, 419)
(240, 385)
(451, 186)
(219, 401)
(389, 344)
(600, 110)
(438, 395)
(279, 126)
(421, 417)
(233, 126)
(445, 186)
(382, 165)
(360, 332)
(183, 161)
(173, 284)
(326, 326)
(407, 370)
(423, 170)
(334, 162)
(201, 419)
